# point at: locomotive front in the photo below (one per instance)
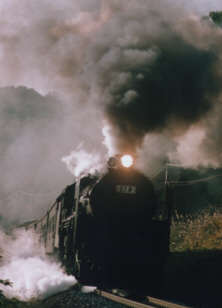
(115, 240)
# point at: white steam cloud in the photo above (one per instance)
(81, 161)
(25, 265)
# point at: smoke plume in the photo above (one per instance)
(134, 76)
(32, 274)
(149, 68)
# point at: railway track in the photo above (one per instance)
(153, 302)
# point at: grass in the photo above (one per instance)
(194, 268)
(198, 231)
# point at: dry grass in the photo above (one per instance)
(197, 232)
(194, 267)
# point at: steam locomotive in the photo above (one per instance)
(111, 231)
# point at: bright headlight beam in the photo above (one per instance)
(127, 161)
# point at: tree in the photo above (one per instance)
(216, 16)
(3, 301)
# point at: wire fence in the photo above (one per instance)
(191, 182)
(165, 167)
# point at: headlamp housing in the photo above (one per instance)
(112, 162)
(121, 161)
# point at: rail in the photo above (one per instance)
(130, 303)
(160, 302)
(122, 300)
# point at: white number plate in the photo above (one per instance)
(125, 189)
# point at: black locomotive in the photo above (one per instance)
(111, 231)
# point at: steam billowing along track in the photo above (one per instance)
(111, 231)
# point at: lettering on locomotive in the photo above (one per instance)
(126, 189)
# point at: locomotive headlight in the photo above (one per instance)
(127, 161)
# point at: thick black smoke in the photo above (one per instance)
(149, 66)
(146, 74)
(175, 90)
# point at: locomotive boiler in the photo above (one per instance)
(111, 230)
